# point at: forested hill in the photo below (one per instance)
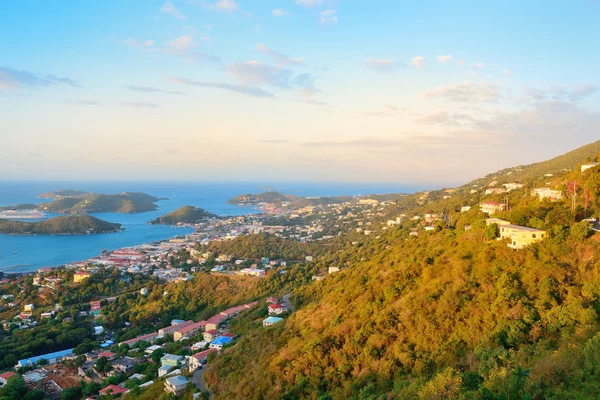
(184, 215)
(452, 313)
(67, 225)
(84, 203)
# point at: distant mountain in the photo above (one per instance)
(66, 225)
(26, 206)
(184, 215)
(77, 202)
(265, 197)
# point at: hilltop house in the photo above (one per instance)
(113, 390)
(521, 236)
(585, 167)
(5, 377)
(276, 309)
(512, 186)
(547, 193)
(197, 360)
(491, 207)
(271, 321)
(176, 384)
(188, 330)
(81, 276)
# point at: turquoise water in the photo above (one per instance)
(33, 252)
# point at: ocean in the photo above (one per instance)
(28, 253)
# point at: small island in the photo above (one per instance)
(184, 215)
(63, 225)
(270, 197)
(79, 202)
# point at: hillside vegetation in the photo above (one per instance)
(67, 225)
(84, 203)
(184, 215)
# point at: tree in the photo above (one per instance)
(102, 365)
(444, 386)
(491, 232)
(580, 230)
(71, 393)
(157, 355)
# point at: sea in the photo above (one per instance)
(28, 253)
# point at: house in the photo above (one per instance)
(521, 236)
(199, 345)
(429, 228)
(213, 322)
(547, 193)
(491, 207)
(171, 360)
(28, 308)
(199, 359)
(148, 338)
(276, 309)
(123, 364)
(495, 190)
(109, 355)
(221, 341)
(81, 276)
(170, 329)
(585, 167)
(271, 321)
(189, 330)
(5, 377)
(176, 384)
(465, 209)
(332, 270)
(51, 358)
(496, 221)
(253, 272)
(164, 370)
(272, 300)
(113, 390)
(95, 305)
(211, 335)
(513, 186)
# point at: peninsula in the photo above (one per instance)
(184, 215)
(63, 225)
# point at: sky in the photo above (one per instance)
(293, 90)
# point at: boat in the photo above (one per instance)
(15, 252)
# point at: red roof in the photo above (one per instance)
(212, 332)
(114, 389)
(275, 306)
(272, 300)
(215, 319)
(7, 375)
(191, 327)
(203, 354)
(107, 354)
(139, 338)
(227, 334)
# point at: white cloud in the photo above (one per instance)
(461, 63)
(478, 65)
(418, 62)
(557, 93)
(278, 12)
(135, 43)
(309, 3)
(328, 17)
(170, 9)
(279, 57)
(466, 92)
(181, 44)
(242, 89)
(444, 59)
(380, 64)
(507, 72)
(226, 5)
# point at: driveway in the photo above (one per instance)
(285, 300)
(198, 380)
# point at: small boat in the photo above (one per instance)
(15, 252)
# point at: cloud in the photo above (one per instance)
(13, 79)
(314, 102)
(408, 141)
(387, 111)
(506, 71)
(255, 73)
(85, 103)
(309, 3)
(380, 64)
(306, 84)
(328, 17)
(139, 104)
(444, 118)
(461, 63)
(148, 89)
(466, 92)
(279, 12)
(557, 93)
(275, 141)
(206, 58)
(135, 43)
(280, 58)
(170, 9)
(181, 44)
(444, 59)
(478, 65)
(418, 62)
(243, 89)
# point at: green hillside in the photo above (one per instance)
(94, 203)
(67, 225)
(184, 215)
(265, 197)
(26, 206)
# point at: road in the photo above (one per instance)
(285, 301)
(198, 380)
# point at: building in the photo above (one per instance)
(496, 221)
(109, 355)
(176, 384)
(547, 193)
(213, 322)
(148, 338)
(495, 190)
(465, 209)
(513, 186)
(276, 309)
(5, 377)
(123, 364)
(81, 276)
(271, 321)
(491, 207)
(211, 335)
(521, 236)
(272, 300)
(171, 360)
(585, 167)
(221, 341)
(171, 329)
(51, 358)
(199, 359)
(113, 390)
(189, 330)
(332, 270)
(253, 272)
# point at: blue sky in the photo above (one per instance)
(332, 90)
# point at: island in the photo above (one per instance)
(184, 215)
(270, 197)
(63, 225)
(79, 202)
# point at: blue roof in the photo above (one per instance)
(221, 340)
(273, 319)
(49, 356)
(178, 380)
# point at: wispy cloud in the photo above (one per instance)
(85, 103)
(275, 141)
(386, 111)
(279, 12)
(170, 9)
(310, 3)
(148, 89)
(557, 93)
(242, 89)
(255, 73)
(139, 104)
(466, 92)
(328, 17)
(380, 64)
(136, 43)
(181, 44)
(14, 79)
(444, 59)
(444, 118)
(279, 57)
(418, 62)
